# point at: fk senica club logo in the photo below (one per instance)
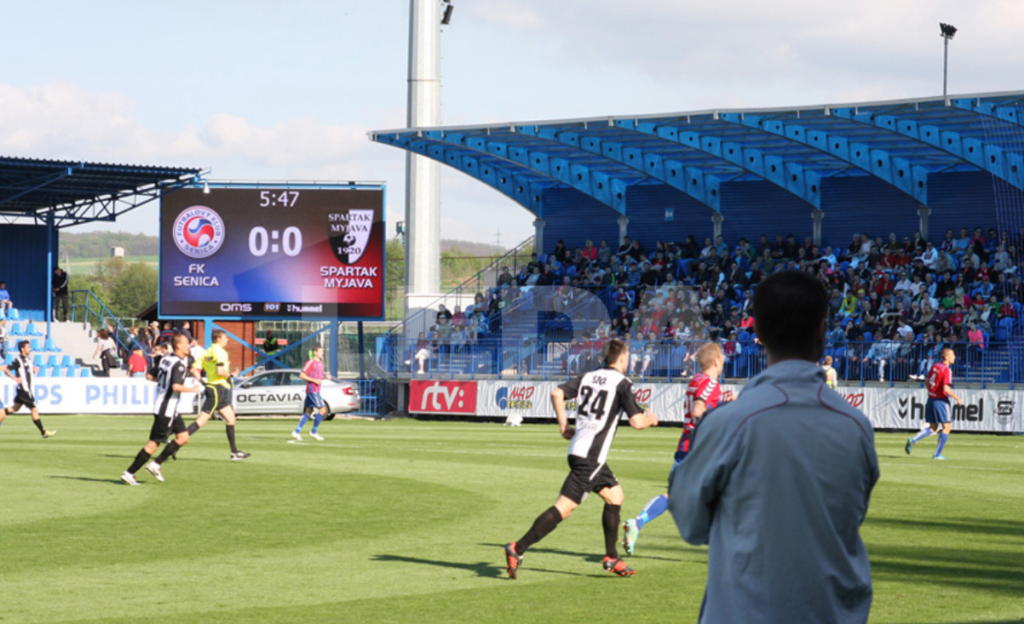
(349, 233)
(198, 232)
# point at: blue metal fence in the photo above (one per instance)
(860, 362)
(371, 397)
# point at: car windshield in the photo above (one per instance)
(265, 380)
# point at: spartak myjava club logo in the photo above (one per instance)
(198, 232)
(349, 232)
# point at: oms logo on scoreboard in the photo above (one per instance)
(245, 252)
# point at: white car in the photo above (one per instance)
(282, 391)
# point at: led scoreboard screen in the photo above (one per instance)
(273, 253)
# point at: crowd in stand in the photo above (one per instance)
(887, 292)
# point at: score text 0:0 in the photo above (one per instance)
(260, 241)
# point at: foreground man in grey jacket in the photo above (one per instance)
(777, 483)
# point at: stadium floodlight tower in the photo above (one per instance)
(948, 31)
(423, 175)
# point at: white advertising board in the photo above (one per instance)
(97, 395)
(886, 408)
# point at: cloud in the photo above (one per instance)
(61, 120)
(772, 53)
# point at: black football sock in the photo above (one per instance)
(192, 428)
(171, 448)
(231, 438)
(140, 460)
(610, 520)
(39, 425)
(544, 524)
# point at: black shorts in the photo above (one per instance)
(164, 427)
(24, 398)
(216, 398)
(585, 477)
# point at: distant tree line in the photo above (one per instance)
(97, 244)
(125, 288)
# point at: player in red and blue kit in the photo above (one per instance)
(936, 410)
(703, 394)
(312, 373)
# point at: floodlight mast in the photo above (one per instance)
(423, 175)
(947, 33)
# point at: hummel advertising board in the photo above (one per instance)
(273, 253)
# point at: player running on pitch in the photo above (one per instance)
(312, 373)
(166, 420)
(216, 365)
(936, 410)
(23, 373)
(703, 394)
(602, 395)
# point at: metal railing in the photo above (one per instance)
(86, 307)
(887, 362)
(481, 281)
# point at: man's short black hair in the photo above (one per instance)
(789, 308)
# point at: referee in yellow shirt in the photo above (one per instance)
(218, 390)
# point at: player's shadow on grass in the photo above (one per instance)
(482, 569)
(190, 458)
(988, 569)
(591, 558)
(117, 481)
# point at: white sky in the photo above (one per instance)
(266, 89)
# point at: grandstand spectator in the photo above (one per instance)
(106, 352)
(505, 277)
(443, 312)
(636, 251)
(137, 366)
(421, 352)
(167, 333)
(59, 283)
(5, 297)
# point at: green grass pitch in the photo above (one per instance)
(403, 521)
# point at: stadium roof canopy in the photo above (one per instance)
(65, 193)
(900, 142)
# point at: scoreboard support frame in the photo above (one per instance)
(210, 323)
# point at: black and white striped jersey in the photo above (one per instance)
(172, 371)
(600, 397)
(22, 368)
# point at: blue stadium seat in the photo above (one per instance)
(38, 360)
(9, 358)
(44, 371)
(16, 329)
(52, 361)
(67, 361)
(50, 345)
(59, 371)
(13, 313)
(74, 370)
(32, 330)
(37, 344)
(86, 371)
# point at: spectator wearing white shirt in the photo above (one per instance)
(930, 257)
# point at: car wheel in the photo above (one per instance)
(330, 414)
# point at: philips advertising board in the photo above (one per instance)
(273, 253)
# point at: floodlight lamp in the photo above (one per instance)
(447, 17)
(948, 30)
(206, 188)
